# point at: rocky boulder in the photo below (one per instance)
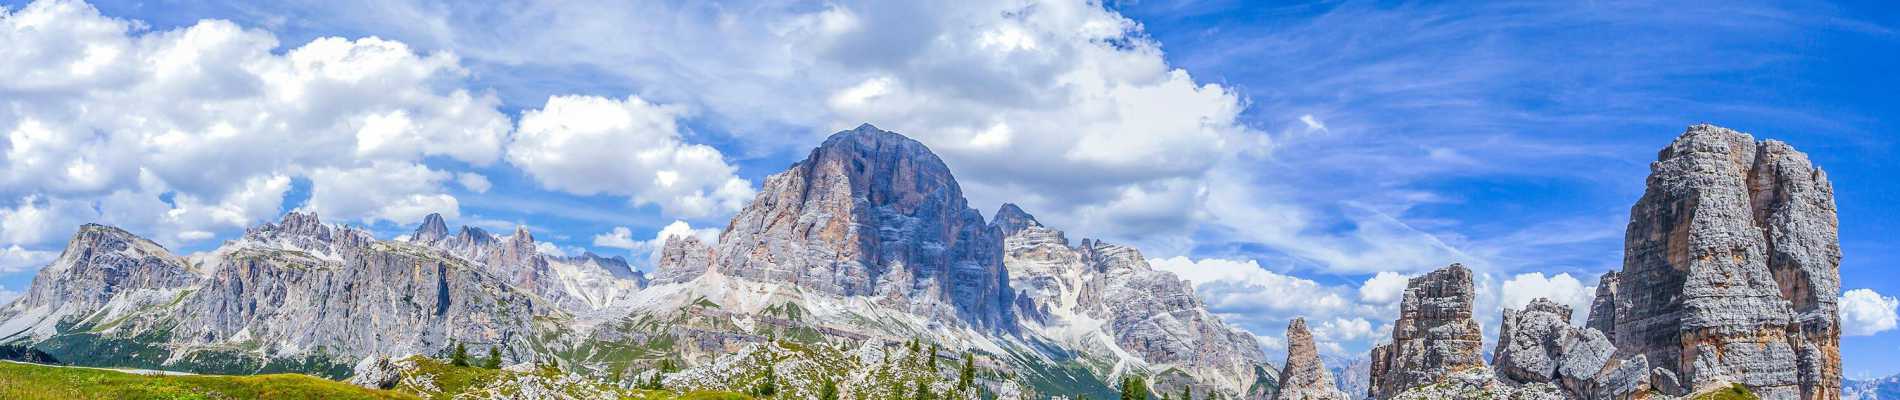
(1538, 345)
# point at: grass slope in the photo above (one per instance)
(36, 382)
(1732, 392)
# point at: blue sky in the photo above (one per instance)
(1266, 151)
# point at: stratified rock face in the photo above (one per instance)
(1434, 337)
(1731, 268)
(297, 295)
(1304, 376)
(100, 264)
(1603, 309)
(873, 213)
(682, 259)
(574, 283)
(1150, 314)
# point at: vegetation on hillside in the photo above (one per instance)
(35, 382)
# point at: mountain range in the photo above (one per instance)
(865, 247)
(862, 272)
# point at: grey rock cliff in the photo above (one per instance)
(1435, 336)
(1304, 376)
(1731, 268)
(873, 213)
(296, 295)
(1150, 313)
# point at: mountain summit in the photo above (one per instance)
(872, 213)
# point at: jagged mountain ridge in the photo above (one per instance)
(868, 240)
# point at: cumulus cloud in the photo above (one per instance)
(1383, 288)
(1243, 286)
(591, 145)
(621, 237)
(1345, 329)
(1013, 95)
(185, 132)
(401, 194)
(1865, 312)
(1562, 288)
(15, 259)
(473, 182)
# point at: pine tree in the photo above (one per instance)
(655, 383)
(1187, 392)
(459, 358)
(828, 390)
(966, 376)
(1134, 388)
(923, 390)
(494, 358)
(932, 357)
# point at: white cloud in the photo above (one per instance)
(1345, 329)
(7, 295)
(15, 259)
(621, 237)
(35, 218)
(549, 248)
(1865, 312)
(473, 182)
(1383, 288)
(1015, 96)
(1521, 289)
(185, 132)
(1273, 343)
(395, 192)
(1243, 286)
(591, 145)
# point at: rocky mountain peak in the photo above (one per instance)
(474, 236)
(1731, 267)
(872, 213)
(1011, 219)
(1434, 337)
(1304, 376)
(432, 230)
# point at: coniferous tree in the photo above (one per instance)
(932, 357)
(966, 376)
(459, 357)
(1134, 388)
(494, 358)
(1187, 392)
(828, 390)
(923, 390)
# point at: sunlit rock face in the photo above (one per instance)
(1304, 377)
(1434, 337)
(873, 213)
(1731, 269)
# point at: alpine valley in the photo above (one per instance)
(861, 272)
